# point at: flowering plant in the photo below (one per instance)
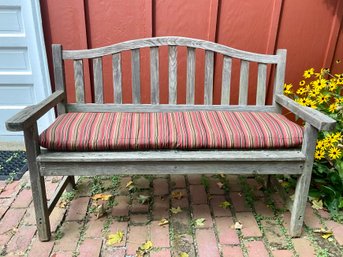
(323, 91)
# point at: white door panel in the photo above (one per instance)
(24, 78)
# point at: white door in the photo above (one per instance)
(24, 77)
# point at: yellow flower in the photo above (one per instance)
(322, 98)
(301, 91)
(301, 101)
(319, 154)
(319, 83)
(339, 100)
(340, 81)
(308, 73)
(301, 83)
(333, 107)
(340, 76)
(334, 153)
(313, 93)
(338, 136)
(332, 86)
(310, 103)
(321, 144)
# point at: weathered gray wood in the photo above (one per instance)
(57, 194)
(37, 183)
(154, 75)
(136, 80)
(303, 183)
(190, 75)
(261, 84)
(174, 41)
(176, 156)
(117, 78)
(59, 77)
(163, 108)
(79, 81)
(172, 74)
(280, 76)
(28, 116)
(226, 80)
(167, 167)
(312, 116)
(243, 83)
(208, 89)
(98, 81)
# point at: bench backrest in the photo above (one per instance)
(96, 54)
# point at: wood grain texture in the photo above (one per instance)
(226, 80)
(98, 81)
(28, 116)
(164, 108)
(154, 75)
(172, 78)
(315, 118)
(243, 83)
(208, 87)
(59, 74)
(117, 78)
(190, 75)
(136, 76)
(261, 84)
(57, 194)
(280, 75)
(79, 81)
(174, 41)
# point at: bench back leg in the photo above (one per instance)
(303, 183)
(37, 184)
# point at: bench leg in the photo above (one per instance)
(303, 183)
(71, 184)
(37, 184)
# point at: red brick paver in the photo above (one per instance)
(90, 248)
(256, 249)
(41, 249)
(303, 247)
(232, 251)
(207, 244)
(250, 226)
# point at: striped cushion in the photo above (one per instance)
(174, 130)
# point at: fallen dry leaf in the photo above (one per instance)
(326, 234)
(163, 222)
(317, 204)
(144, 249)
(63, 203)
(220, 185)
(183, 254)
(130, 183)
(104, 197)
(224, 205)
(177, 195)
(115, 238)
(176, 210)
(222, 175)
(143, 199)
(237, 225)
(199, 222)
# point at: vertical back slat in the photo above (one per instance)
(190, 75)
(59, 77)
(117, 78)
(98, 81)
(208, 89)
(226, 80)
(79, 81)
(136, 81)
(261, 84)
(172, 52)
(243, 83)
(154, 75)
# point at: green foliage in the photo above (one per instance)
(323, 91)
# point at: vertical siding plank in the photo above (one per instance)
(243, 83)
(172, 74)
(154, 75)
(208, 90)
(98, 81)
(117, 78)
(190, 75)
(79, 81)
(226, 80)
(261, 84)
(136, 81)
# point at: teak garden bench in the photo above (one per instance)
(201, 153)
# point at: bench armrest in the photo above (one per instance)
(316, 118)
(31, 114)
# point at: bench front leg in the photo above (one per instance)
(37, 183)
(303, 183)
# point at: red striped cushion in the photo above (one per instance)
(174, 130)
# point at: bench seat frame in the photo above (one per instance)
(69, 164)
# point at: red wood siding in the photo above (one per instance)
(311, 32)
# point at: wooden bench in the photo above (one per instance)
(42, 163)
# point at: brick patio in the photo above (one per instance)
(77, 232)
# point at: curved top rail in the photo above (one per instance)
(173, 41)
